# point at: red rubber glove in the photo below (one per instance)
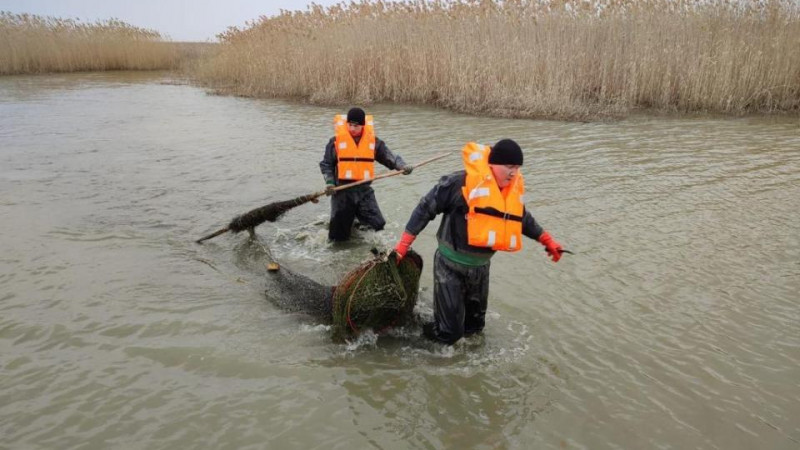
(552, 246)
(402, 247)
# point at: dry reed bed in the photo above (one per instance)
(557, 59)
(36, 44)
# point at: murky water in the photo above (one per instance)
(674, 326)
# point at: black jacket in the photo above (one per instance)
(446, 198)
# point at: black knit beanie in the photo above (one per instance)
(356, 115)
(506, 152)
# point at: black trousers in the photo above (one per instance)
(350, 204)
(460, 296)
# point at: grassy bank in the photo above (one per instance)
(36, 44)
(554, 59)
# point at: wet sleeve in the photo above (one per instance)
(385, 156)
(328, 164)
(439, 200)
(530, 227)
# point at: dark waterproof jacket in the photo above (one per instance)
(382, 155)
(446, 198)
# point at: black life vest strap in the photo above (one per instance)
(499, 214)
(357, 159)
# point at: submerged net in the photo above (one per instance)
(376, 295)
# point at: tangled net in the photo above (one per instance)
(376, 295)
(271, 212)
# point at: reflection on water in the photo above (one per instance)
(674, 325)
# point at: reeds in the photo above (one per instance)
(36, 44)
(572, 59)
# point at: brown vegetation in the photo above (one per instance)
(524, 58)
(36, 44)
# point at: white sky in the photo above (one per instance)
(179, 20)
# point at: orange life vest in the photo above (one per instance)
(354, 162)
(494, 218)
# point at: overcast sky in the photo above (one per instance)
(180, 20)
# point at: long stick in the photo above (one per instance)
(272, 211)
(387, 174)
(213, 235)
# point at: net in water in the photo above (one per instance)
(376, 295)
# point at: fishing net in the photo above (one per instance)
(297, 293)
(271, 212)
(376, 295)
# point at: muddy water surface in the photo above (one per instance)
(674, 326)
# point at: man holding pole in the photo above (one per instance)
(350, 157)
(483, 213)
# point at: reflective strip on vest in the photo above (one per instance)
(479, 192)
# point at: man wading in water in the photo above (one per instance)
(350, 156)
(483, 212)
